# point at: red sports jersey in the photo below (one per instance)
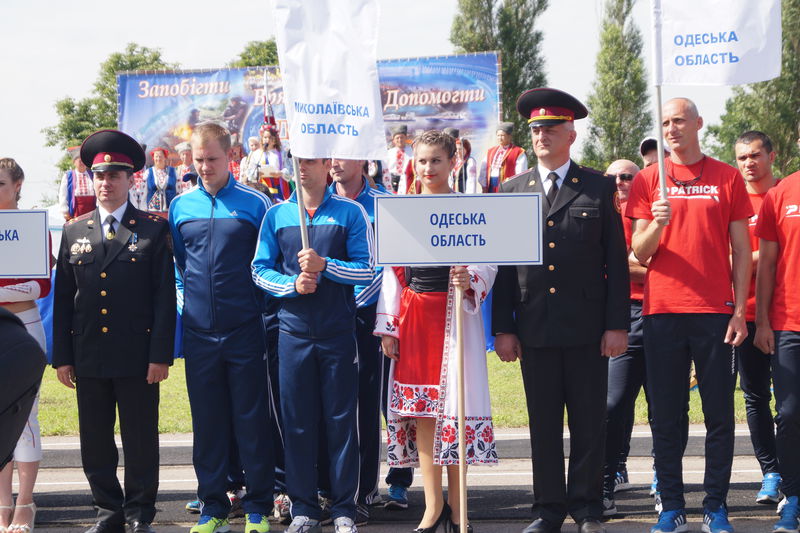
(691, 270)
(637, 289)
(755, 200)
(779, 221)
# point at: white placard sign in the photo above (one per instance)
(448, 229)
(327, 51)
(716, 42)
(24, 244)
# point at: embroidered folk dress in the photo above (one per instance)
(420, 312)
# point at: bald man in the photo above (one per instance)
(694, 306)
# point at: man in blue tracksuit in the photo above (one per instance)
(318, 362)
(215, 230)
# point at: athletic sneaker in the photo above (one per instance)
(304, 524)
(621, 481)
(194, 507)
(657, 502)
(235, 497)
(716, 521)
(344, 524)
(671, 522)
(325, 510)
(609, 507)
(362, 514)
(256, 523)
(397, 498)
(211, 524)
(654, 485)
(282, 508)
(770, 489)
(790, 516)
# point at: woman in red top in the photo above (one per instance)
(19, 296)
(415, 320)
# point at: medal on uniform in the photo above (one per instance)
(75, 248)
(83, 245)
(133, 240)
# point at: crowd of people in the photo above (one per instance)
(294, 350)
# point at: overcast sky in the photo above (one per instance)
(53, 49)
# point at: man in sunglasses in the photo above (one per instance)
(690, 312)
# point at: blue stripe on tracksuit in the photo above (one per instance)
(214, 238)
(316, 345)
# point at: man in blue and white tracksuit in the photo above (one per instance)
(349, 182)
(318, 362)
(215, 231)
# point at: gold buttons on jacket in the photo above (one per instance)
(104, 329)
(552, 290)
(103, 293)
(103, 275)
(551, 267)
(551, 223)
(552, 245)
(104, 311)
(584, 214)
(133, 259)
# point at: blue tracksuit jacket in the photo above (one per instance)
(214, 238)
(368, 294)
(340, 232)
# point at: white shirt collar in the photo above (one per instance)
(117, 214)
(561, 171)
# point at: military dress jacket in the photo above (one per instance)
(114, 312)
(582, 287)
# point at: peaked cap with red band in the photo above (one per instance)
(107, 150)
(545, 106)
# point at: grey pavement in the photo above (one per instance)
(499, 497)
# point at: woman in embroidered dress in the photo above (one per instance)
(162, 183)
(417, 325)
(19, 296)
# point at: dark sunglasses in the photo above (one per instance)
(624, 176)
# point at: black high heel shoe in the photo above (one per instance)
(456, 528)
(444, 519)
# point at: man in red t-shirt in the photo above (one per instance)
(690, 311)
(778, 327)
(754, 157)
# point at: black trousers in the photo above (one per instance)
(671, 342)
(755, 379)
(786, 377)
(576, 378)
(98, 400)
(626, 376)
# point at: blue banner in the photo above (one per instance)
(463, 91)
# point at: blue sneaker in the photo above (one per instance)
(790, 516)
(716, 521)
(671, 522)
(621, 481)
(397, 498)
(654, 485)
(194, 506)
(770, 489)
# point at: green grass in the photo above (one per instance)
(58, 413)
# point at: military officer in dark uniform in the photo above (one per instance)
(563, 319)
(113, 332)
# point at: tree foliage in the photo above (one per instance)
(619, 104)
(257, 54)
(77, 119)
(508, 26)
(771, 106)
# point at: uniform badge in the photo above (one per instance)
(90, 222)
(575, 180)
(133, 240)
(531, 183)
(75, 248)
(84, 246)
(617, 202)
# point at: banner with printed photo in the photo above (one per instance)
(161, 108)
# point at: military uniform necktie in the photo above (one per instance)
(551, 194)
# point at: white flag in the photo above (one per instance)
(716, 42)
(327, 51)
